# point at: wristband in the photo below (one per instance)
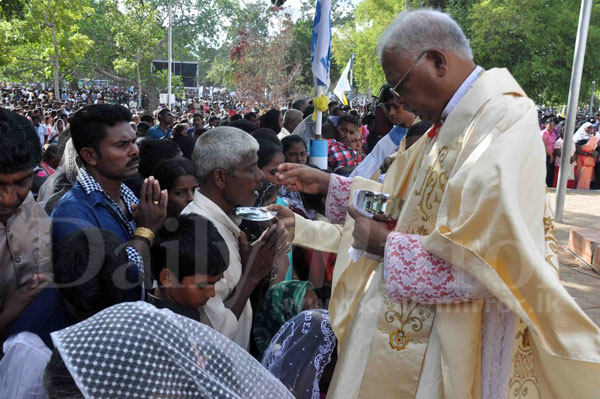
(144, 233)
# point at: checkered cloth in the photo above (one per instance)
(340, 155)
(90, 185)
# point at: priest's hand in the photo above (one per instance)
(297, 177)
(369, 235)
(284, 214)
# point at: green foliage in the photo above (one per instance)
(221, 71)
(136, 34)
(29, 44)
(300, 50)
(10, 9)
(263, 76)
(534, 39)
(162, 83)
(117, 39)
(360, 36)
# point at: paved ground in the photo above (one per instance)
(582, 209)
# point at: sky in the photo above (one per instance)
(295, 5)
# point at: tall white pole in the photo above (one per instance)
(578, 57)
(320, 90)
(170, 52)
(592, 99)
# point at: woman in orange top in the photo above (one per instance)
(586, 160)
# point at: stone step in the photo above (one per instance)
(585, 243)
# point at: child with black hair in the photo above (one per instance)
(188, 259)
(92, 272)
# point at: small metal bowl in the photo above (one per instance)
(255, 214)
(370, 203)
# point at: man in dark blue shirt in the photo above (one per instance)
(163, 129)
(105, 143)
(197, 122)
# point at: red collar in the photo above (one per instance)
(434, 130)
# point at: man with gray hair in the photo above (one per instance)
(291, 119)
(228, 174)
(454, 293)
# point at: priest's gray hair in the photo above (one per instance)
(222, 148)
(415, 32)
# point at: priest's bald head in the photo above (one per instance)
(425, 57)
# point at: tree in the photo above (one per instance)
(248, 19)
(534, 39)
(360, 36)
(137, 33)
(262, 74)
(45, 41)
(10, 9)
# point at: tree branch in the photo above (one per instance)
(34, 59)
(112, 76)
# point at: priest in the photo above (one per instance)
(456, 294)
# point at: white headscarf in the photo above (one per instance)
(581, 134)
(136, 350)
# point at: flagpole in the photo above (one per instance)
(170, 52)
(319, 121)
(351, 77)
(320, 64)
(578, 57)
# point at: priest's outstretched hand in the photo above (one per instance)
(369, 235)
(302, 178)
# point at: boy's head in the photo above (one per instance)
(188, 258)
(347, 126)
(92, 272)
(356, 141)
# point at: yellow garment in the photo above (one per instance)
(321, 234)
(476, 193)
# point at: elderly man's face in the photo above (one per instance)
(417, 87)
(243, 183)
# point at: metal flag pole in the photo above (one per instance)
(592, 99)
(170, 63)
(320, 64)
(351, 78)
(578, 57)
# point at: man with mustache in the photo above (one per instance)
(105, 143)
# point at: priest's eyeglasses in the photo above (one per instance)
(397, 89)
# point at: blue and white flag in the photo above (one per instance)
(321, 43)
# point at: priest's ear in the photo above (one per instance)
(440, 60)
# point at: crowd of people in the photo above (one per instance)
(584, 172)
(130, 267)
